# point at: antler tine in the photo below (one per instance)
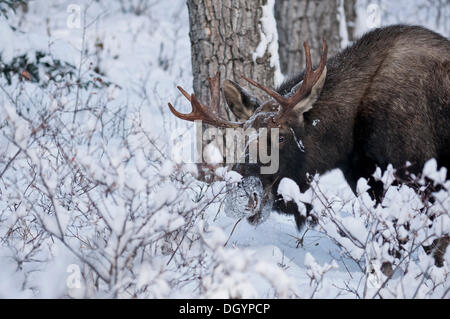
(308, 61)
(202, 112)
(310, 79)
(323, 59)
(278, 97)
(186, 94)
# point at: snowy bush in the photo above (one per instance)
(93, 191)
(92, 204)
(7, 6)
(398, 245)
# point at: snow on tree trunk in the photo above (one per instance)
(350, 16)
(229, 36)
(310, 20)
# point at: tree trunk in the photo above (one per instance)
(224, 37)
(310, 21)
(350, 15)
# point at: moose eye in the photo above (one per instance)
(281, 139)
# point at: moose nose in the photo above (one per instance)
(253, 201)
(244, 199)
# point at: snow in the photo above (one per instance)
(269, 40)
(290, 191)
(233, 177)
(238, 197)
(107, 200)
(430, 170)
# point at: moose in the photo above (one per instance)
(383, 100)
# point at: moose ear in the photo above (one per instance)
(240, 102)
(308, 102)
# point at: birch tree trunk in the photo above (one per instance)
(224, 37)
(310, 21)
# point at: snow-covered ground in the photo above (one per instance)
(145, 54)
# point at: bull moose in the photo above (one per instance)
(383, 100)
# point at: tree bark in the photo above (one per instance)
(224, 37)
(350, 15)
(310, 21)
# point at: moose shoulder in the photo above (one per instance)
(384, 100)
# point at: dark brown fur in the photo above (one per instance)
(386, 99)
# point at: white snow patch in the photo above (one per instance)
(269, 40)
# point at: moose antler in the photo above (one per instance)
(201, 112)
(310, 79)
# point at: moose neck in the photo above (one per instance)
(328, 129)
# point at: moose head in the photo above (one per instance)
(283, 113)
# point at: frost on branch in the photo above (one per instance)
(398, 245)
(92, 206)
